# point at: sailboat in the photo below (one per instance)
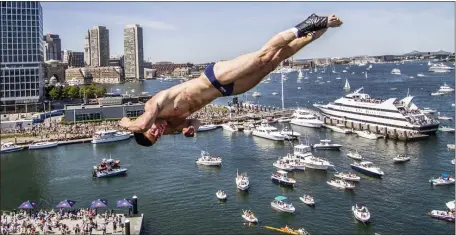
(347, 85)
(300, 76)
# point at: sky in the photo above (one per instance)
(202, 32)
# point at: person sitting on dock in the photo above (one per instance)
(167, 112)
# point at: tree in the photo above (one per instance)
(54, 94)
(73, 92)
(100, 91)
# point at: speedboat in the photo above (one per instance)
(442, 215)
(302, 117)
(339, 183)
(280, 205)
(396, 72)
(281, 177)
(444, 179)
(308, 200)
(290, 135)
(110, 136)
(43, 145)
(268, 132)
(438, 93)
(282, 165)
(420, 75)
(249, 216)
(401, 158)
(445, 88)
(221, 195)
(242, 181)
(317, 163)
(347, 176)
(367, 135)
(446, 129)
(355, 155)
(207, 127)
(108, 172)
(367, 168)
(326, 144)
(361, 213)
(207, 160)
(10, 147)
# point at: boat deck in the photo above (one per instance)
(136, 223)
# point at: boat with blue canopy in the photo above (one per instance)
(444, 179)
(280, 205)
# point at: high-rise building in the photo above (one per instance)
(21, 55)
(52, 47)
(96, 47)
(73, 58)
(133, 52)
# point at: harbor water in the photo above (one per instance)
(178, 197)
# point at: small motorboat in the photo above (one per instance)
(355, 155)
(438, 93)
(110, 172)
(288, 230)
(446, 129)
(401, 158)
(442, 215)
(326, 144)
(339, 183)
(282, 165)
(444, 179)
(221, 195)
(208, 160)
(290, 134)
(10, 147)
(367, 135)
(308, 200)
(242, 181)
(43, 145)
(367, 168)
(284, 120)
(348, 176)
(207, 127)
(361, 213)
(420, 75)
(280, 205)
(281, 177)
(249, 216)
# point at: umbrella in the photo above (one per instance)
(28, 205)
(99, 203)
(66, 204)
(124, 203)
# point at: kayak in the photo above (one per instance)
(288, 231)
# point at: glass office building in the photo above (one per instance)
(21, 56)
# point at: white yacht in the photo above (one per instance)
(396, 72)
(10, 147)
(367, 134)
(440, 68)
(361, 213)
(367, 168)
(445, 88)
(207, 160)
(446, 129)
(281, 177)
(302, 117)
(110, 136)
(326, 144)
(340, 183)
(43, 145)
(355, 155)
(268, 132)
(360, 108)
(292, 162)
(301, 151)
(282, 165)
(316, 163)
(242, 181)
(207, 127)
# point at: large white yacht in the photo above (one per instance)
(440, 68)
(268, 132)
(360, 108)
(302, 117)
(445, 88)
(110, 136)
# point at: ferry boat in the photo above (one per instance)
(280, 205)
(367, 168)
(268, 132)
(43, 145)
(358, 107)
(281, 177)
(110, 136)
(361, 213)
(444, 179)
(207, 127)
(326, 144)
(207, 160)
(242, 181)
(304, 118)
(10, 147)
(440, 68)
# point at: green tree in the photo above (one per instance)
(54, 94)
(73, 92)
(100, 91)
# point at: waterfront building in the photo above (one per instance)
(21, 56)
(96, 47)
(133, 52)
(100, 112)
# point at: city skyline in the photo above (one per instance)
(209, 31)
